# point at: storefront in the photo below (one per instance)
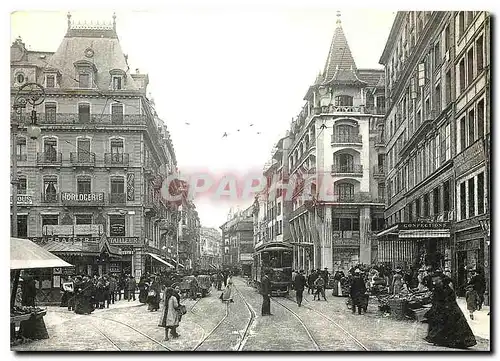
(416, 244)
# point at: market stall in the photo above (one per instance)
(24, 255)
(414, 305)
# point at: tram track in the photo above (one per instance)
(253, 315)
(206, 336)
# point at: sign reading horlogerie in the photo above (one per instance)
(82, 197)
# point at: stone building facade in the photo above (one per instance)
(210, 248)
(437, 139)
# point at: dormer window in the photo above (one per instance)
(117, 82)
(343, 100)
(50, 81)
(84, 80)
(86, 71)
(118, 79)
(20, 78)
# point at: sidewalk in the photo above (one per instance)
(480, 325)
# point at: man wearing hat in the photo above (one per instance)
(478, 282)
(357, 292)
(266, 294)
(299, 284)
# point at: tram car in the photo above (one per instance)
(277, 258)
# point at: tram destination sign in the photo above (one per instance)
(424, 225)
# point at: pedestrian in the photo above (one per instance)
(266, 294)
(447, 326)
(472, 299)
(112, 289)
(310, 281)
(294, 274)
(131, 288)
(143, 286)
(28, 291)
(193, 288)
(169, 318)
(319, 285)
(153, 299)
(357, 292)
(397, 281)
(478, 282)
(227, 294)
(69, 287)
(219, 281)
(299, 284)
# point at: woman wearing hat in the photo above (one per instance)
(397, 281)
(447, 324)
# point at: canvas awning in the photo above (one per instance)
(160, 260)
(175, 262)
(25, 254)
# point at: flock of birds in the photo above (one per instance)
(226, 134)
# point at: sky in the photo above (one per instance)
(222, 68)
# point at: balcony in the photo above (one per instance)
(82, 159)
(22, 157)
(339, 109)
(116, 160)
(49, 198)
(361, 197)
(96, 119)
(347, 139)
(82, 199)
(378, 171)
(352, 169)
(375, 110)
(49, 159)
(151, 206)
(379, 141)
(117, 198)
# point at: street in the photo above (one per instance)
(210, 325)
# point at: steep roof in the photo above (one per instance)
(106, 55)
(371, 76)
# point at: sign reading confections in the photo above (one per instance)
(424, 225)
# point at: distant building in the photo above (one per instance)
(210, 248)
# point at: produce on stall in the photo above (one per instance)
(24, 254)
(414, 305)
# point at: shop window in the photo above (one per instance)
(22, 225)
(472, 133)
(83, 185)
(22, 186)
(50, 112)
(345, 224)
(117, 113)
(471, 198)
(480, 193)
(21, 149)
(83, 219)
(117, 226)
(463, 202)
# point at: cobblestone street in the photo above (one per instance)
(208, 325)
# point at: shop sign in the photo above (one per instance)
(246, 257)
(123, 240)
(76, 239)
(68, 270)
(423, 225)
(114, 267)
(469, 158)
(23, 200)
(70, 197)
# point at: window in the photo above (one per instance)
(480, 119)
(462, 134)
(470, 17)
(117, 151)
(437, 55)
(381, 190)
(448, 87)
(447, 38)
(50, 112)
(472, 198)
(84, 80)
(437, 98)
(479, 54)
(117, 185)
(417, 207)
(22, 186)
(50, 220)
(21, 149)
(345, 190)
(418, 119)
(50, 189)
(50, 81)
(461, 23)
(117, 114)
(463, 201)
(83, 219)
(83, 150)
(84, 113)
(426, 205)
(22, 225)
(410, 211)
(83, 185)
(472, 123)
(343, 100)
(50, 149)
(345, 162)
(20, 78)
(446, 196)
(436, 194)
(461, 67)
(117, 83)
(470, 66)
(480, 193)
(117, 226)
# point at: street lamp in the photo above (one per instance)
(485, 226)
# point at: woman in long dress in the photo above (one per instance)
(397, 282)
(447, 324)
(227, 294)
(169, 317)
(153, 299)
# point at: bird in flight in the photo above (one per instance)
(187, 123)
(224, 135)
(258, 132)
(237, 130)
(251, 125)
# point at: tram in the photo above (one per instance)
(277, 258)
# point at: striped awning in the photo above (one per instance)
(425, 233)
(160, 260)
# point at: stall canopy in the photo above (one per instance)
(161, 260)
(25, 254)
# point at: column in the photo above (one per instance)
(327, 256)
(365, 246)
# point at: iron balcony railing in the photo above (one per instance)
(117, 198)
(361, 197)
(49, 197)
(347, 138)
(116, 159)
(96, 119)
(49, 158)
(82, 158)
(350, 169)
(331, 109)
(378, 170)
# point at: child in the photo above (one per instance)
(472, 298)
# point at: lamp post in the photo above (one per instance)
(33, 94)
(485, 226)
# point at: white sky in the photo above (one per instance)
(222, 68)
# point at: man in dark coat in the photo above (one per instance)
(479, 284)
(28, 291)
(299, 284)
(131, 288)
(310, 281)
(358, 290)
(266, 294)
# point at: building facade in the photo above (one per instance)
(337, 141)
(237, 239)
(89, 187)
(210, 248)
(437, 139)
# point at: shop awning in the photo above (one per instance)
(161, 260)
(25, 254)
(175, 262)
(425, 233)
(393, 229)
